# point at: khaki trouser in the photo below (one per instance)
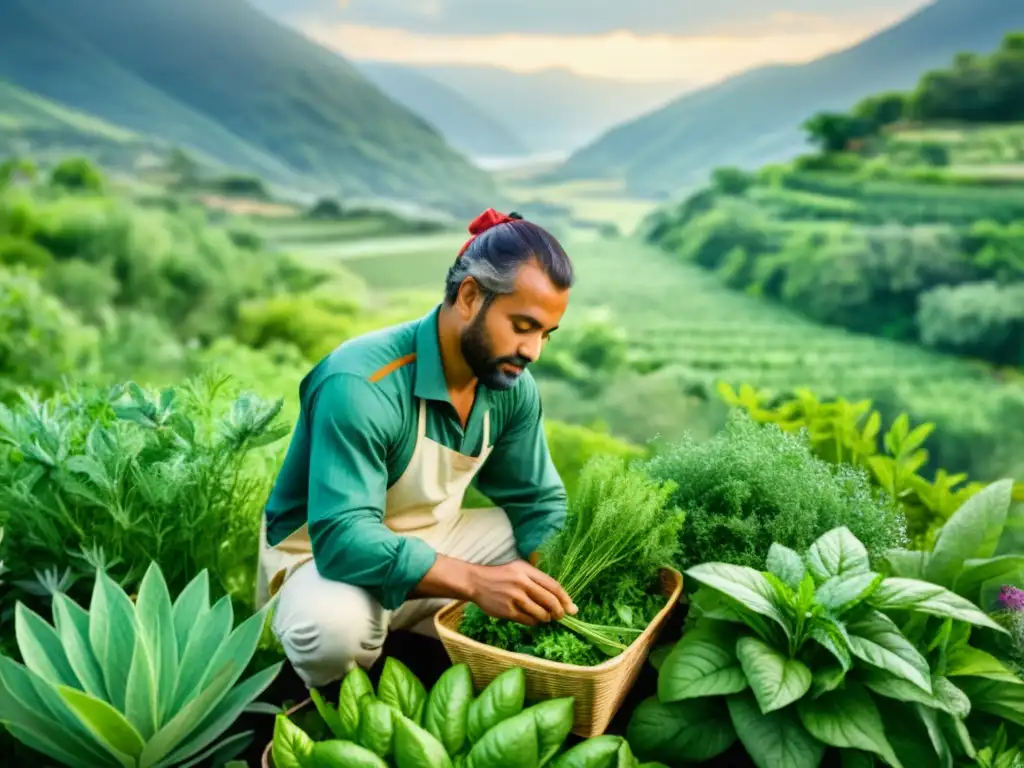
(327, 627)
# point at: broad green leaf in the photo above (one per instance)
(775, 680)
(553, 719)
(745, 585)
(376, 726)
(876, 639)
(156, 625)
(775, 740)
(952, 699)
(973, 662)
(972, 532)
(400, 688)
(826, 679)
(41, 648)
(329, 754)
(906, 563)
(447, 709)
(709, 603)
(913, 595)
(786, 564)
(112, 630)
(1005, 700)
(841, 593)
(694, 730)
(837, 553)
(976, 573)
(330, 717)
(190, 608)
(702, 663)
(354, 686)
(415, 748)
(501, 699)
(209, 633)
(184, 723)
(847, 719)
(141, 705)
(604, 751)
(26, 700)
(223, 715)
(833, 637)
(104, 721)
(72, 623)
(512, 742)
(292, 747)
(885, 683)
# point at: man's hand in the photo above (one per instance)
(521, 593)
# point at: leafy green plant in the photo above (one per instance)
(618, 535)
(114, 479)
(753, 484)
(806, 656)
(149, 684)
(405, 726)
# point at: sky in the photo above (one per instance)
(697, 41)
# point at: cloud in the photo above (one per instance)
(622, 55)
(593, 17)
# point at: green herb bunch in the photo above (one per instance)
(620, 531)
(112, 480)
(752, 485)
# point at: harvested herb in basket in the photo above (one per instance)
(619, 533)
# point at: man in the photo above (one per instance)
(364, 529)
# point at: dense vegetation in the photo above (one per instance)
(925, 247)
(262, 98)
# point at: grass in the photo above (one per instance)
(590, 201)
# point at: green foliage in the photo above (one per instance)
(573, 447)
(404, 725)
(136, 682)
(808, 656)
(41, 341)
(618, 535)
(588, 352)
(753, 485)
(844, 432)
(77, 174)
(982, 320)
(113, 480)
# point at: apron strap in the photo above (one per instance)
(487, 432)
(421, 429)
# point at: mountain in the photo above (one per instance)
(220, 77)
(755, 118)
(466, 126)
(553, 110)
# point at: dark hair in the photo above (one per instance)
(495, 256)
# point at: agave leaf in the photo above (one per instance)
(156, 626)
(239, 648)
(41, 648)
(182, 724)
(105, 722)
(229, 747)
(208, 634)
(27, 701)
(112, 629)
(72, 623)
(190, 607)
(141, 706)
(51, 745)
(223, 715)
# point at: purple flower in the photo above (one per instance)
(1011, 598)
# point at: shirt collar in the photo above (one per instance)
(430, 383)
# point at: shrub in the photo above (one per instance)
(752, 485)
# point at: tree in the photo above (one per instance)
(833, 132)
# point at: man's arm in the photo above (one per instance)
(520, 477)
(349, 422)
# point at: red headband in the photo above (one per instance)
(485, 221)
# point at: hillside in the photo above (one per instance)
(905, 225)
(554, 110)
(755, 118)
(249, 92)
(465, 126)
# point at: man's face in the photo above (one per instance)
(508, 333)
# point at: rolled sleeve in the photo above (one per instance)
(348, 480)
(521, 478)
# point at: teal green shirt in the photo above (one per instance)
(355, 435)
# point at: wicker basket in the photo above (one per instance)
(598, 690)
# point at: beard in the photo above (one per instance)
(479, 355)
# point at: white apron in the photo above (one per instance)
(428, 494)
